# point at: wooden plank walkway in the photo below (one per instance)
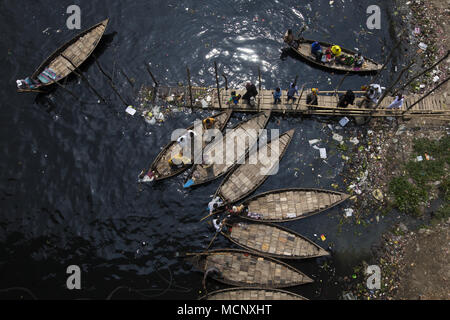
(434, 105)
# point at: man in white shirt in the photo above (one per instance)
(398, 102)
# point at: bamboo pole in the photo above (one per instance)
(77, 71)
(426, 95)
(226, 81)
(386, 92)
(217, 84)
(128, 79)
(422, 73)
(389, 57)
(110, 82)
(260, 85)
(155, 87)
(300, 97)
(190, 87)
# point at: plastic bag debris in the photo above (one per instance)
(423, 46)
(204, 103)
(377, 194)
(348, 212)
(314, 141)
(130, 110)
(338, 138)
(419, 158)
(344, 121)
(354, 140)
(323, 153)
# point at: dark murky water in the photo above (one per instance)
(68, 191)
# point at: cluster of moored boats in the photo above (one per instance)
(254, 269)
(249, 222)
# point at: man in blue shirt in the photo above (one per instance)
(293, 89)
(277, 96)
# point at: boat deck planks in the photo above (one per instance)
(232, 148)
(272, 240)
(246, 177)
(252, 294)
(292, 204)
(243, 268)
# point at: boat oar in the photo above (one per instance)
(211, 214)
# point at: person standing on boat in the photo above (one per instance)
(398, 102)
(293, 89)
(312, 98)
(251, 92)
(277, 96)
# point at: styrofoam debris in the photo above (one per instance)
(130, 110)
(314, 141)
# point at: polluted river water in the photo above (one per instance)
(68, 189)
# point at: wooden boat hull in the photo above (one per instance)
(273, 241)
(304, 51)
(202, 174)
(244, 268)
(160, 166)
(77, 50)
(284, 205)
(245, 178)
(246, 293)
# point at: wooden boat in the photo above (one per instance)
(235, 142)
(76, 50)
(246, 293)
(272, 240)
(243, 268)
(245, 178)
(291, 204)
(160, 169)
(304, 51)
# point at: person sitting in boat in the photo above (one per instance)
(312, 98)
(214, 204)
(251, 92)
(277, 96)
(234, 98)
(147, 177)
(316, 50)
(179, 161)
(336, 50)
(347, 99)
(359, 60)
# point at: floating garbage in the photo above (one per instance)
(323, 153)
(130, 110)
(314, 141)
(423, 46)
(348, 212)
(377, 194)
(354, 140)
(436, 79)
(419, 158)
(323, 237)
(344, 121)
(204, 103)
(338, 138)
